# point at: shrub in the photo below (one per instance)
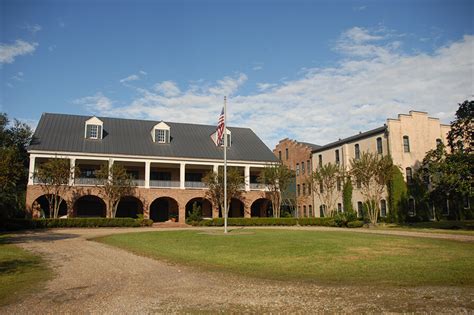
(317, 221)
(343, 218)
(355, 224)
(195, 215)
(22, 224)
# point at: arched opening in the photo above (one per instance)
(90, 206)
(236, 209)
(43, 203)
(203, 203)
(129, 207)
(164, 209)
(261, 208)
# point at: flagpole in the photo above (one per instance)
(225, 164)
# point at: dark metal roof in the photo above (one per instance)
(65, 133)
(356, 137)
(311, 145)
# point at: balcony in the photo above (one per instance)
(86, 181)
(164, 183)
(257, 186)
(138, 182)
(194, 184)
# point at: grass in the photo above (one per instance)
(323, 257)
(20, 271)
(447, 227)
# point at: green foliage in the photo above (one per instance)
(323, 181)
(267, 222)
(461, 135)
(195, 215)
(22, 224)
(13, 166)
(115, 183)
(397, 195)
(355, 224)
(342, 219)
(215, 184)
(276, 178)
(347, 196)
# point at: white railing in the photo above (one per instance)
(138, 182)
(86, 181)
(189, 184)
(164, 183)
(257, 186)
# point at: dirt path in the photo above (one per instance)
(96, 278)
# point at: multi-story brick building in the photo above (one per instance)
(406, 139)
(166, 160)
(297, 156)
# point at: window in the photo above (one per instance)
(298, 189)
(310, 211)
(165, 176)
(308, 165)
(321, 188)
(286, 152)
(357, 151)
(360, 209)
(304, 209)
(438, 142)
(406, 144)
(279, 155)
(411, 207)
(321, 210)
(133, 174)
(338, 184)
(339, 207)
(297, 169)
(160, 135)
(409, 175)
(383, 208)
(93, 128)
(88, 173)
(466, 202)
(379, 146)
(320, 157)
(193, 177)
(302, 167)
(304, 189)
(337, 157)
(358, 184)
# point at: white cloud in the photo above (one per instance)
(257, 68)
(142, 72)
(51, 48)
(130, 78)
(8, 52)
(18, 76)
(33, 29)
(97, 103)
(167, 88)
(372, 82)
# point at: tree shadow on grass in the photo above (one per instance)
(18, 265)
(35, 236)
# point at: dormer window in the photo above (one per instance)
(161, 133)
(229, 138)
(94, 128)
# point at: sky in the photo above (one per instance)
(314, 71)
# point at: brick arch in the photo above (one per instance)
(89, 205)
(164, 208)
(261, 207)
(205, 204)
(41, 208)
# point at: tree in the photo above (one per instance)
(373, 173)
(114, 183)
(276, 178)
(397, 195)
(347, 195)
(53, 177)
(13, 165)
(461, 135)
(215, 184)
(324, 181)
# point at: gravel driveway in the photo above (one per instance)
(96, 278)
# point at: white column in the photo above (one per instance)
(31, 172)
(215, 168)
(247, 178)
(182, 172)
(111, 162)
(147, 174)
(73, 173)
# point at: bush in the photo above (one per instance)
(355, 224)
(343, 218)
(317, 221)
(195, 215)
(267, 222)
(22, 224)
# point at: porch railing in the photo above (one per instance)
(164, 183)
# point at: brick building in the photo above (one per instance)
(297, 156)
(166, 160)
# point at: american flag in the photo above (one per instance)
(220, 129)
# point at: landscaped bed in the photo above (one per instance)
(325, 257)
(20, 271)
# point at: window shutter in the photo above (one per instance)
(99, 132)
(88, 131)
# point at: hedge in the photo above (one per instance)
(266, 222)
(21, 224)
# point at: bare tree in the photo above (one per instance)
(324, 181)
(276, 178)
(373, 173)
(215, 183)
(53, 177)
(114, 183)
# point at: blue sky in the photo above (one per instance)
(310, 70)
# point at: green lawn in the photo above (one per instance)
(317, 256)
(465, 227)
(20, 271)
